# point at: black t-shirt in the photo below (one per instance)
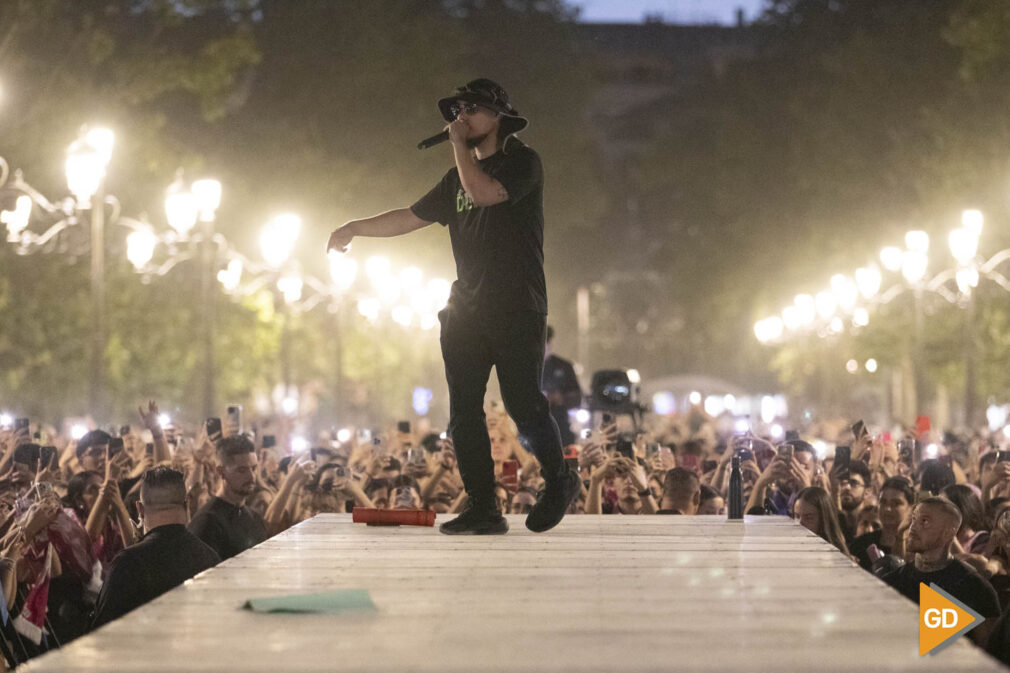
(163, 559)
(498, 249)
(227, 529)
(956, 578)
(862, 543)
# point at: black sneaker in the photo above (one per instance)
(553, 502)
(476, 521)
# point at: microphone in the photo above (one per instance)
(434, 140)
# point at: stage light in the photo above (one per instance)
(344, 435)
(891, 258)
(967, 279)
(820, 448)
(291, 287)
(583, 416)
(791, 318)
(973, 221)
(917, 241)
(806, 309)
(78, 431)
(826, 304)
(694, 398)
(913, 267)
(729, 401)
(932, 450)
(232, 276)
(777, 431)
(845, 291)
(1006, 431)
(369, 308)
(299, 445)
(140, 246)
(85, 170)
(6, 420)
(17, 219)
(852, 366)
(289, 405)
(208, 198)
(871, 366)
(402, 315)
(278, 239)
(164, 420)
(714, 405)
(868, 280)
(181, 207)
(343, 270)
(102, 139)
(742, 425)
(769, 329)
(963, 245)
(377, 269)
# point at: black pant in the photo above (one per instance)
(514, 344)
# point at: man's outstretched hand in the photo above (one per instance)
(340, 239)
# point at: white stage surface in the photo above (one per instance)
(596, 594)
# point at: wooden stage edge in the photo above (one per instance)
(596, 594)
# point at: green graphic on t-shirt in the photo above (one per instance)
(463, 201)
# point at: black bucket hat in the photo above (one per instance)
(490, 95)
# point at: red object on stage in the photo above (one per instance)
(393, 517)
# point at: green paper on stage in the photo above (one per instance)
(331, 602)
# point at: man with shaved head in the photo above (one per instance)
(681, 492)
(164, 558)
(935, 522)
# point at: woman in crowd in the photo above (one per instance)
(816, 512)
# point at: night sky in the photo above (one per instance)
(673, 11)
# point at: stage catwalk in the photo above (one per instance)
(596, 594)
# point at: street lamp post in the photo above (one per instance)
(964, 248)
(277, 243)
(87, 161)
(184, 207)
(915, 261)
(208, 198)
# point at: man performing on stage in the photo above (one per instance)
(492, 202)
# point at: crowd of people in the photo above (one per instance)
(95, 527)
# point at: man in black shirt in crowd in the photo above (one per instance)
(165, 557)
(492, 203)
(561, 386)
(851, 490)
(935, 522)
(225, 524)
(681, 492)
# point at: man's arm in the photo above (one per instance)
(392, 223)
(482, 188)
